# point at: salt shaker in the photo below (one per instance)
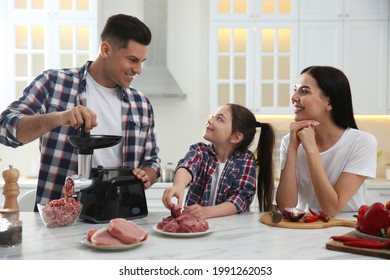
(11, 188)
(10, 228)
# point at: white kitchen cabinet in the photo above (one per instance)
(318, 10)
(253, 54)
(377, 194)
(353, 38)
(245, 10)
(251, 65)
(378, 190)
(154, 197)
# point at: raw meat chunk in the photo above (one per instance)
(184, 223)
(175, 211)
(102, 237)
(126, 231)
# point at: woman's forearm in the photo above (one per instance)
(325, 192)
(287, 192)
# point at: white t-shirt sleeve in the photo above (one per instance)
(362, 160)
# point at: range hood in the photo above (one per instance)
(156, 80)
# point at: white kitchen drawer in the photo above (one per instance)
(377, 195)
(154, 195)
(378, 190)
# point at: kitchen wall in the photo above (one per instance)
(180, 122)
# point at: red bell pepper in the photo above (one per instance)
(375, 218)
(362, 210)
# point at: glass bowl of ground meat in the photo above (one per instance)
(62, 212)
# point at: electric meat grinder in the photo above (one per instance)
(105, 193)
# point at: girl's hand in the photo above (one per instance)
(196, 210)
(172, 192)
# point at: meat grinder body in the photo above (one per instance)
(115, 193)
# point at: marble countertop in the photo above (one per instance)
(236, 237)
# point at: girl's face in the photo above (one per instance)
(308, 100)
(218, 128)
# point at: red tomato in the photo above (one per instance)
(388, 205)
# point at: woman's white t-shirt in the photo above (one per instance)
(355, 152)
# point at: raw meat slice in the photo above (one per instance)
(126, 231)
(172, 226)
(164, 221)
(90, 232)
(191, 224)
(175, 211)
(102, 237)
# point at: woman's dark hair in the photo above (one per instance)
(335, 85)
(120, 29)
(245, 122)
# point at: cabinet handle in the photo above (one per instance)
(384, 194)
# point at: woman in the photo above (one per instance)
(222, 175)
(325, 159)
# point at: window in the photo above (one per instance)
(253, 45)
(43, 34)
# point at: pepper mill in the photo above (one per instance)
(11, 188)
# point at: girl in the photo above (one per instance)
(325, 159)
(222, 175)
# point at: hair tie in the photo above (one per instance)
(258, 124)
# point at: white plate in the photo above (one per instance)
(184, 234)
(367, 236)
(88, 243)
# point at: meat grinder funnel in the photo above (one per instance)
(85, 144)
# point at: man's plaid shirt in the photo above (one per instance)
(59, 90)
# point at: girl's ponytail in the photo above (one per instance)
(264, 157)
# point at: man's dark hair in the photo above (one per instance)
(120, 29)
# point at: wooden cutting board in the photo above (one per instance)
(333, 222)
(339, 246)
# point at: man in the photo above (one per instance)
(97, 94)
